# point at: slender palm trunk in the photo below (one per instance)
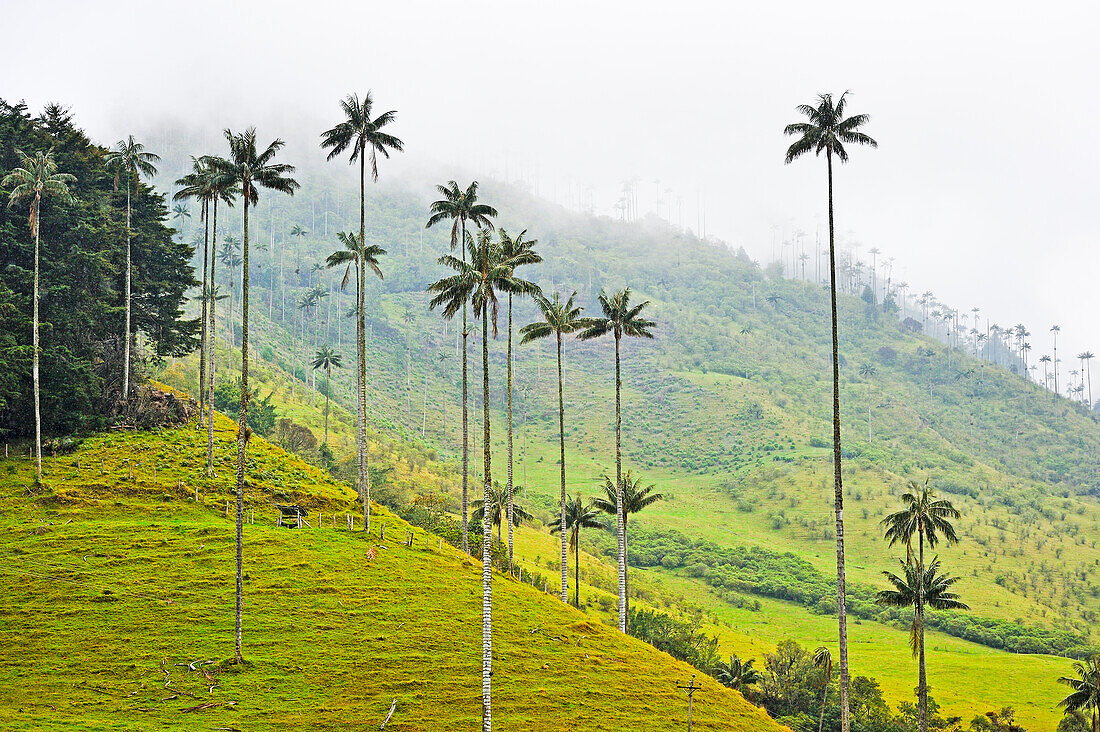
(126, 342)
(561, 434)
(486, 542)
(824, 696)
(205, 315)
(922, 680)
(626, 562)
(210, 345)
(328, 391)
(620, 521)
(465, 418)
(35, 357)
(362, 455)
(511, 517)
(838, 484)
(242, 428)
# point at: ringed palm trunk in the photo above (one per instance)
(465, 419)
(362, 466)
(922, 679)
(486, 543)
(328, 391)
(126, 342)
(242, 428)
(838, 483)
(205, 313)
(35, 343)
(511, 517)
(620, 518)
(577, 570)
(561, 434)
(210, 345)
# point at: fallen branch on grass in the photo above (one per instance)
(389, 714)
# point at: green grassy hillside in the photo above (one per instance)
(727, 411)
(115, 574)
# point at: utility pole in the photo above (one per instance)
(691, 688)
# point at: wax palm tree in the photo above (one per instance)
(181, 214)
(1086, 371)
(37, 179)
(559, 318)
(926, 518)
(1085, 697)
(578, 516)
(633, 498)
(498, 510)
(362, 133)
(357, 257)
(621, 319)
(867, 371)
(327, 359)
(477, 283)
(737, 674)
(252, 169)
(129, 157)
(919, 587)
(522, 252)
(828, 130)
(462, 207)
(220, 186)
(823, 659)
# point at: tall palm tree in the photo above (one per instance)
(630, 498)
(129, 157)
(1086, 369)
(478, 282)
(559, 318)
(828, 130)
(356, 258)
(1055, 330)
(194, 187)
(181, 214)
(1085, 696)
(620, 319)
(37, 178)
(327, 359)
(920, 587)
(926, 518)
(498, 510)
(823, 659)
(251, 169)
(461, 207)
(362, 133)
(867, 371)
(522, 252)
(578, 516)
(737, 674)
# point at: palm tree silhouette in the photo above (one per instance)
(577, 516)
(37, 179)
(559, 318)
(129, 157)
(828, 130)
(737, 674)
(327, 359)
(1085, 696)
(356, 258)
(460, 207)
(620, 319)
(927, 518)
(521, 251)
(251, 169)
(478, 282)
(920, 587)
(823, 659)
(363, 134)
(635, 498)
(498, 509)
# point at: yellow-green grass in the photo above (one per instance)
(111, 582)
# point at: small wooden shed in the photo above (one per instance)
(291, 516)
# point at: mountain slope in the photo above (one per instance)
(112, 581)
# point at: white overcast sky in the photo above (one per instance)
(984, 187)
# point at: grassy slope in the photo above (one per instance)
(108, 579)
(738, 476)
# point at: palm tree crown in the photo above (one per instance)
(925, 516)
(353, 254)
(827, 130)
(37, 178)
(252, 169)
(619, 318)
(1085, 694)
(460, 207)
(130, 157)
(635, 496)
(925, 585)
(362, 133)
